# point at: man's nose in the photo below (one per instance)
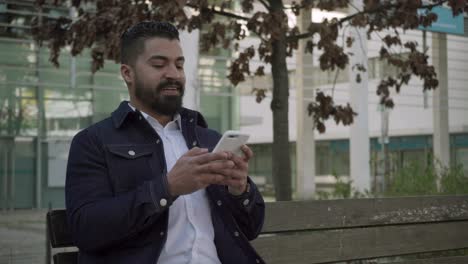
(173, 72)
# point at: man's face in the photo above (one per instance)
(159, 79)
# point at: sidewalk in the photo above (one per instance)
(22, 236)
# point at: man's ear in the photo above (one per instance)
(127, 73)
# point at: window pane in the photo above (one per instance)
(66, 118)
(409, 157)
(462, 159)
(322, 158)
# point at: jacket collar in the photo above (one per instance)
(123, 112)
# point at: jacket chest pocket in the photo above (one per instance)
(131, 165)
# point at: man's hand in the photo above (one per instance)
(197, 169)
(236, 178)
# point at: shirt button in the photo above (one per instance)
(246, 202)
(131, 153)
(163, 202)
(236, 233)
(219, 203)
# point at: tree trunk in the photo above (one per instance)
(279, 105)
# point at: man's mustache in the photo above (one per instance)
(168, 83)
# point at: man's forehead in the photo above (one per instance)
(163, 47)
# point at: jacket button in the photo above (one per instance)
(131, 153)
(163, 202)
(246, 202)
(162, 233)
(257, 260)
(219, 203)
(191, 120)
(194, 143)
(139, 117)
(157, 141)
(236, 233)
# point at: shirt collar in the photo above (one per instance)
(175, 124)
(124, 112)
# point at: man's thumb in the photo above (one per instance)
(196, 151)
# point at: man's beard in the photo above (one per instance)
(161, 104)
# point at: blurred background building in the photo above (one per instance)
(42, 107)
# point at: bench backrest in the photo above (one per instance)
(342, 230)
(60, 237)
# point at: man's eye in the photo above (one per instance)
(158, 66)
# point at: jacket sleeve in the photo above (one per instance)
(248, 210)
(98, 218)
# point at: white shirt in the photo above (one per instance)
(190, 234)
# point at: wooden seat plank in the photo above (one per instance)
(361, 243)
(346, 213)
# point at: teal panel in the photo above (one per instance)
(339, 145)
(409, 142)
(24, 160)
(4, 159)
(460, 140)
(261, 163)
(106, 101)
(375, 144)
(24, 183)
(218, 110)
(54, 196)
(59, 76)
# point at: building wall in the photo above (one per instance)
(410, 122)
(409, 102)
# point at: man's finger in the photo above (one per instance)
(216, 167)
(248, 153)
(234, 174)
(241, 163)
(196, 151)
(208, 157)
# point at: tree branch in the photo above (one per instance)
(265, 4)
(219, 12)
(370, 11)
(435, 4)
(383, 7)
(338, 70)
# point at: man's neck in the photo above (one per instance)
(162, 119)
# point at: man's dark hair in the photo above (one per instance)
(132, 41)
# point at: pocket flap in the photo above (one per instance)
(131, 151)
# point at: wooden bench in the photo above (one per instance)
(331, 231)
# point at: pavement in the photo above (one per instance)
(22, 237)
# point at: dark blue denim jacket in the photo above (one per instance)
(116, 179)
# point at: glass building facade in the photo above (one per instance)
(42, 107)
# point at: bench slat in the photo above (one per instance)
(57, 225)
(66, 258)
(360, 243)
(446, 260)
(326, 214)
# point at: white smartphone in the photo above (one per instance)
(231, 141)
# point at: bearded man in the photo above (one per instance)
(144, 187)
